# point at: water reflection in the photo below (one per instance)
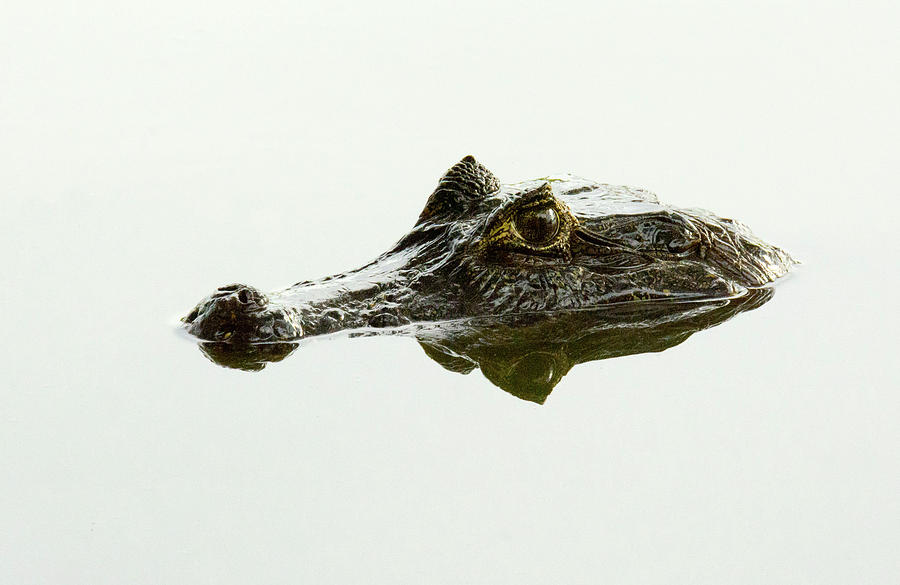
(528, 355)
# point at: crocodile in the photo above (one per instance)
(481, 249)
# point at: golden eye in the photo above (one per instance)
(537, 226)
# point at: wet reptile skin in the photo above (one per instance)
(483, 249)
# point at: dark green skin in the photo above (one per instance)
(615, 246)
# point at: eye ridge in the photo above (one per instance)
(537, 226)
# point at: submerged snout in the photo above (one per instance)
(241, 313)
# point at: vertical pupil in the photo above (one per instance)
(538, 226)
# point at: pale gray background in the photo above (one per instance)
(152, 151)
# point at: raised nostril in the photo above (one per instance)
(195, 312)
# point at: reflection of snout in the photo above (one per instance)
(250, 357)
(240, 313)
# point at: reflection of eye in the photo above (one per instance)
(535, 369)
(537, 226)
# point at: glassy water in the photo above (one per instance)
(770, 439)
(149, 158)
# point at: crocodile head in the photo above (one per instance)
(562, 243)
(480, 248)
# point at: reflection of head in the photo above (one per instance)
(529, 357)
(529, 376)
(532, 377)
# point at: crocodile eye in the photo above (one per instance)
(537, 226)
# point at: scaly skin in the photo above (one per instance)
(482, 249)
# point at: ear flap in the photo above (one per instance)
(465, 181)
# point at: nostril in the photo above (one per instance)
(195, 312)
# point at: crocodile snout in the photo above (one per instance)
(242, 314)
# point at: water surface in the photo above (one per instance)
(128, 454)
(152, 154)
